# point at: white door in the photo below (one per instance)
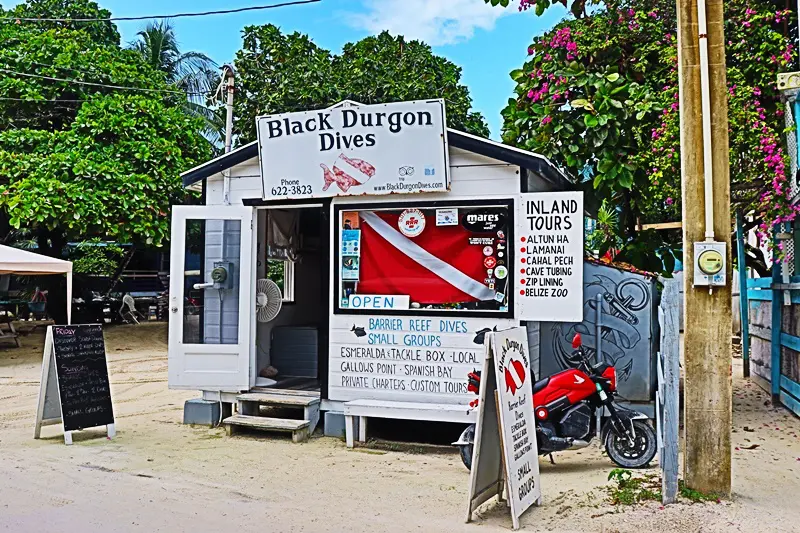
(211, 342)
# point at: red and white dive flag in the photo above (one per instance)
(437, 266)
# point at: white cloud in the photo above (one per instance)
(436, 22)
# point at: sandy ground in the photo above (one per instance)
(159, 475)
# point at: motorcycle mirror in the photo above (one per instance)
(577, 341)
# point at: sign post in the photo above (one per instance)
(505, 452)
(74, 389)
(550, 274)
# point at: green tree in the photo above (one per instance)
(101, 32)
(281, 73)
(79, 159)
(194, 73)
(599, 95)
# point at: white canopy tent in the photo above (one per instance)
(23, 263)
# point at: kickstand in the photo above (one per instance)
(552, 461)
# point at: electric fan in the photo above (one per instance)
(268, 300)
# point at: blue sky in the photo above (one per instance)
(486, 42)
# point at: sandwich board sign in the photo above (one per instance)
(505, 453)
(74, 389)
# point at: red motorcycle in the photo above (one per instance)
(564, 406)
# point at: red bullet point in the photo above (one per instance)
(522, 281)
(521, 270)
(523, 294)
(522, 239)
(522, 250)
(522, 260)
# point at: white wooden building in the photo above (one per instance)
(333, 352)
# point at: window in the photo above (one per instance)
(417, 258)
(282, 273)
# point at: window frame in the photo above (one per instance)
(506, 202)
(287, 291)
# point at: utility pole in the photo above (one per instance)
(230, 88)
(706, 217)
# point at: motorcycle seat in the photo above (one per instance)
(539, 385)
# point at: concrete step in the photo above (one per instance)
(298, 428)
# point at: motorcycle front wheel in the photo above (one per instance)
(466, 455)
(636, 455)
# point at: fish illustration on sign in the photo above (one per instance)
(347, 172)
(358, 330)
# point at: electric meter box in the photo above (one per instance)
(222, 275)
(709, 264)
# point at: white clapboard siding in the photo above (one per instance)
(470, 176)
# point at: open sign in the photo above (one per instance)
(378, 301)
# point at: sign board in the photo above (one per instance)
(404, 358)
(351, 149)
(377, 301)
(75, 389)
(505, 449)
(550, 273)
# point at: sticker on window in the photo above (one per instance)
(485, 220)
(447, 217)
(411, 222)
(350, 267)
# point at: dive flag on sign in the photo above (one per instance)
(432, 268)
(514, 376)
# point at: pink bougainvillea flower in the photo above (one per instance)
(547, 120)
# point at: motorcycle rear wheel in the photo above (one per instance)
(466, 455)
(637, 456)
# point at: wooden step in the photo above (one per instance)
(298, 428)
(287, 392)
(275, 398)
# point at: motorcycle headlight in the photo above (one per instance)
(610, 374)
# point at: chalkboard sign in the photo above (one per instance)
(75, 366)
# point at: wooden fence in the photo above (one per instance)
(771, 336)
(668, 392)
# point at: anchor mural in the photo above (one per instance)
(620, 334)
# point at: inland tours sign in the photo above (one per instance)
(505, 455)
(352, 149)
(550, 266)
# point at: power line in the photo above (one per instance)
(37, 100)
(176, 15)
(100, 74)
(103, 85)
